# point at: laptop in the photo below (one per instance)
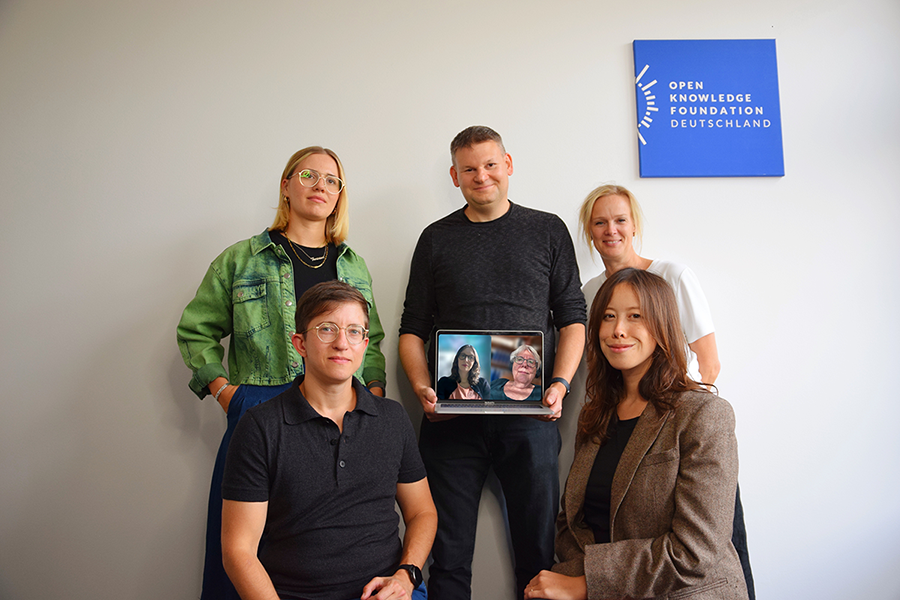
(496, 372)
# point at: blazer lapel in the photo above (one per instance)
(645, 433)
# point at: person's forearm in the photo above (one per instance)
(420, 518)
(248, 576)
(709, 371)
(569, 351)
(225, 396)
(707, 357)
(418, 538)
(568, 355)
(412, 357)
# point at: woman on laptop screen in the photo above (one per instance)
(465, 381)
(524, 363)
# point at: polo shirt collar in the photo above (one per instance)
(296, 408)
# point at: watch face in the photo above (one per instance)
(415, 574)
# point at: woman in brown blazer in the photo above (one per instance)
(649, 501)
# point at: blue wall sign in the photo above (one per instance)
(708, 108)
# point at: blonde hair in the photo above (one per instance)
(587, 207)
(337, 226)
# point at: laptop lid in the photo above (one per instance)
(489, 372)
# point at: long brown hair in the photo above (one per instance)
(666, 378)
(474, 372)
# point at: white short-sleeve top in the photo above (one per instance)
(693, 309)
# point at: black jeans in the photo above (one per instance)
(458, 453)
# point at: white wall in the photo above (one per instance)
(138, 139)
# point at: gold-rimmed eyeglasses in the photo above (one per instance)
(328, 332)
(309, 178)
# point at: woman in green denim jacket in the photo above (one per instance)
(250, 293)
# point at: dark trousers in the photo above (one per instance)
(739, 539)
(216, 585)
(458, 454)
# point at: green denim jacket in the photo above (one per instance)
(248, 293)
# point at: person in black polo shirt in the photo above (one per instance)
(312, 475)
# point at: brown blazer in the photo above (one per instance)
(671, 510)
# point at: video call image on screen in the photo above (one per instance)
(492, 353)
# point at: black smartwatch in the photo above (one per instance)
(415, 574)
(564, 382)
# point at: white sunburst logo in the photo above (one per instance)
(649, 103)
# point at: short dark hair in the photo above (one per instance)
(324, 297)
(476, 134)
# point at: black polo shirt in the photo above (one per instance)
(331, 524)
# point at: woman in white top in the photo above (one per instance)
(610, 219)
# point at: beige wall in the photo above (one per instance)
(138, 139)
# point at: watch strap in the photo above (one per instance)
(562, 381)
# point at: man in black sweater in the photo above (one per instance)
(499, 266)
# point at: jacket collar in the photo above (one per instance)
(645, 433)
(642, 438)
(260, 242)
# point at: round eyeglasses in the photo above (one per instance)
(528, 361)
(328, 332)
(309, 178)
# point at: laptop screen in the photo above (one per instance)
(489, 366)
